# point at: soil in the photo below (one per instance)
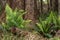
(24, 35)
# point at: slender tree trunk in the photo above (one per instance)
(41, 6)
(59, 7)
(56, 5)
(2, 15)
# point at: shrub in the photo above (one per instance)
(14, 18)
(49, 25)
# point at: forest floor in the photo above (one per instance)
(23, 35)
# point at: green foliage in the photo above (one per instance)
(14, 18)
(49, 24)
(55, 38)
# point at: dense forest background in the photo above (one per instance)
(34, 8)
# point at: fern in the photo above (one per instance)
(15, 18)
(50, 23)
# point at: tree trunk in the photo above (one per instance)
(17, 4)
(31, 8)
(54, 5)
(59, 7)
(2, 15)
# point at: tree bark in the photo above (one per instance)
(59, 7)
(54, 5)
(2, 15)
(17, 4)
(31, 8)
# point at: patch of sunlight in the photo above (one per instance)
(45, 1)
